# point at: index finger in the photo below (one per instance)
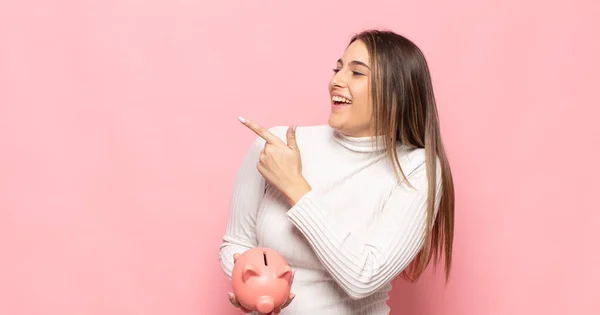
(260, 131)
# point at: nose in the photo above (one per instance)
(338, 80)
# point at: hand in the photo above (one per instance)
(237, 304)
(280, 163)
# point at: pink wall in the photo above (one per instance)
(114, 176)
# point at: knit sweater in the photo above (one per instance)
(346, 239)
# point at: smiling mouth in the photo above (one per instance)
(340, 100)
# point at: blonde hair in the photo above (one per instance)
(404, 109)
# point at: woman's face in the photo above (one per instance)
(349, 89)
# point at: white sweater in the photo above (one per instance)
(346, 239)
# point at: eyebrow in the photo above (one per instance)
(355, 62)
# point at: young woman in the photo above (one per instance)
(354, 203)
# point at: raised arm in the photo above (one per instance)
(362, 265)
(248, 190)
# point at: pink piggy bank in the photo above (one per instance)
(262, 281)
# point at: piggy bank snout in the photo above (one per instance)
(265, 304)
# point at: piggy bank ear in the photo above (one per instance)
(235, 257)
(285, 273)
(248, 273)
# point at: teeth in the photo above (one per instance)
(341, 99)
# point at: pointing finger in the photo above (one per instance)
(260, 131)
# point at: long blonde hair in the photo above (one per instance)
(404, 109)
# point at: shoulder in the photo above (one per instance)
(414, 161)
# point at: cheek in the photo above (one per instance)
(363, 96)
(364, 112)
(363, 90)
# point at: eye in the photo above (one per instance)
(356, 73)
(336, 70)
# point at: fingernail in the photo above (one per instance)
(295, 126)
(242, 119)
(230, 295)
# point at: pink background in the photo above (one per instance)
(115, 176)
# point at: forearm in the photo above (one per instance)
(296, 190)
(228, 248)
(363, 264)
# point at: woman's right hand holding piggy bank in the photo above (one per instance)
(262, 281)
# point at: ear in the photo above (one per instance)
(235, 257)
(248, 273)
(285, 273)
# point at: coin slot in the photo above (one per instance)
(265, 258)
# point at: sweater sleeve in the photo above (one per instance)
(247, 193)
(362, 265)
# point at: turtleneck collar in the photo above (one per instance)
(359, 144)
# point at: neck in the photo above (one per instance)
(360, 144)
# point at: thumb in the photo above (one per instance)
(291, 137)
(233, 300)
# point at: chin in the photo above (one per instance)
(335, 122)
